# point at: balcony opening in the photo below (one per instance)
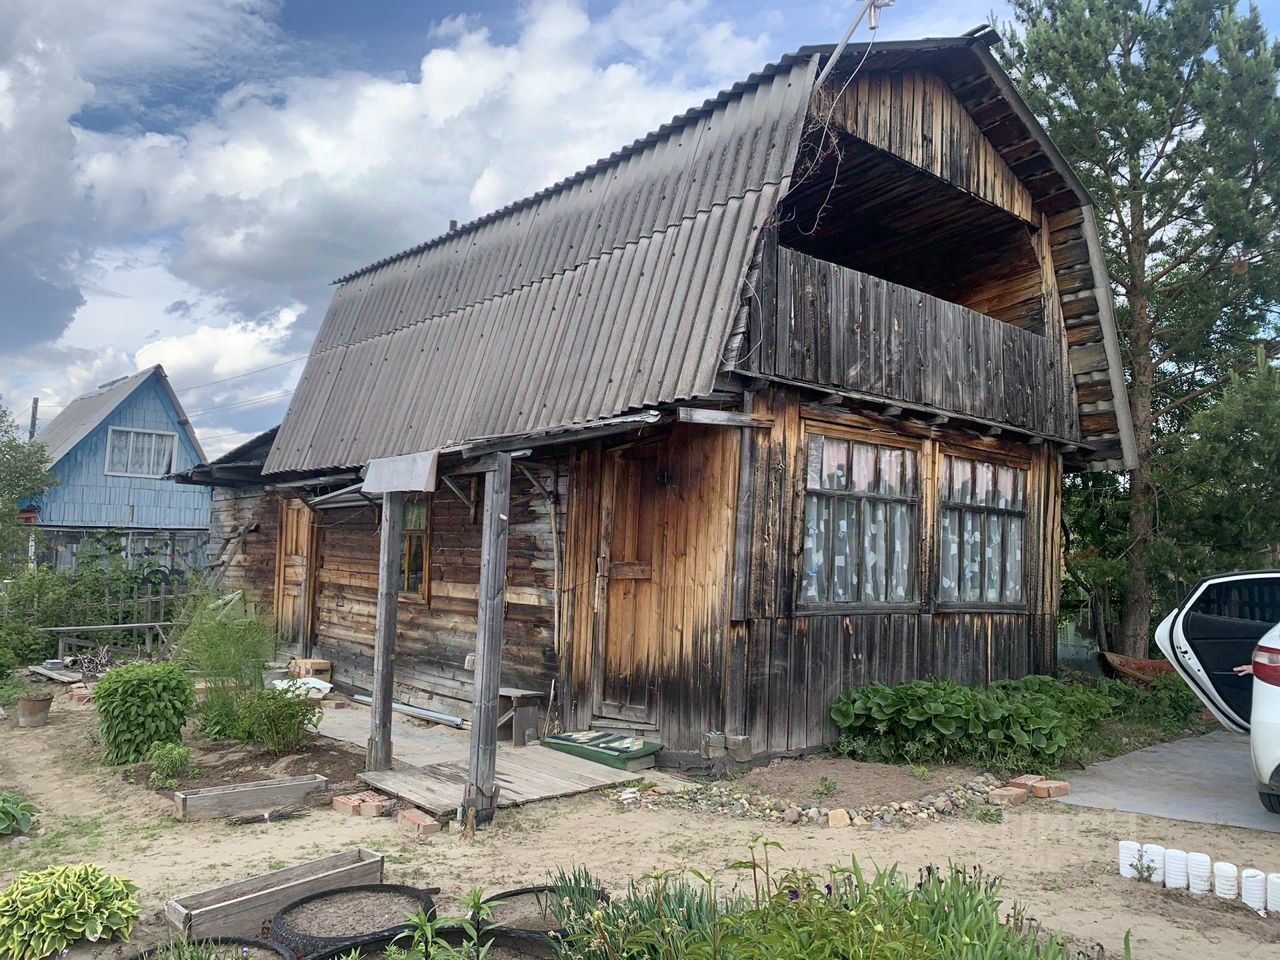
(863, 208)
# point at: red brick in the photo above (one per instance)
(419, 822)
(81, 696)
(1025, 781)
(374, 804)
(1007, 796)
(1050, 788)
(348, 804)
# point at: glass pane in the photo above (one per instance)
(863, 469)
(814, 576)
(874, 550)
(993, 558)
(414, 563)
(970, 557)
(140, 453)
(901, 526)
(1004, 487)
(1019, 489)
(162, 455)
(813, 463)
(949, 556)
(909, 474)
(1013, 560)
(843, 546)
(891, 471)
(983, 484)
(415, 515)
(835, 464)
(961, 480)
(118, 452)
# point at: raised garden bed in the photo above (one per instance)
(502, 945)
(246, 908)
(210, 803)
(331, 918)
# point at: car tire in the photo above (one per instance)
(1270, 800)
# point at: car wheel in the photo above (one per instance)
(1270, 800)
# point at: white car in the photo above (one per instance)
(1225, 622)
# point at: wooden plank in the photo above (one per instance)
(722, 418)
(479, 794)
(210, 803)
(378, 756)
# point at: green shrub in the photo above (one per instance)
(277, 720)
(140, 704)
(169, 762)
(225, 645)
(44, 912)
(16, 814)
(197, 950)
(220, 714)
(22, 645)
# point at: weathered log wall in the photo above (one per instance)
(434, 637)
(250, 565)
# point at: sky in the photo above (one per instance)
(181, 180)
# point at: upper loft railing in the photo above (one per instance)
(821, 323)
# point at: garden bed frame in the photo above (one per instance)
(210, 803)
(242, 908)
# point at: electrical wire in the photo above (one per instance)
(240, 404)
(241, 376)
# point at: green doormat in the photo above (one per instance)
(611, 749)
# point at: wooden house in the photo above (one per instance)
(113, 452)
(773, 402)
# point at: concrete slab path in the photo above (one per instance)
(1206, 779)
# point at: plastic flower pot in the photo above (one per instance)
(33, 708)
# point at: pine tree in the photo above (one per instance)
(1168, 111)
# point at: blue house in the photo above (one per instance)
(114, 452)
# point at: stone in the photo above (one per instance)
(942, 806)
(1045, 789)
(1007, 796)
(860, 821)
(792, 815)
(19, 841)
(1025, 781)
(838, 818)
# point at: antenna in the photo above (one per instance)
(874, 6)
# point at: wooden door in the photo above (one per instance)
(629, 620)
(293, 588)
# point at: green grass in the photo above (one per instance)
(65, 840)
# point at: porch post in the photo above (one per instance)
(378, 756)
(480, 795)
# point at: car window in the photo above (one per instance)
(1256, 599)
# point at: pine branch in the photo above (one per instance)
(1272, 351)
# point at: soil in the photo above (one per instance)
(831, 781)
(529, 911)
(1056, 860)
(228, 762)
(351, 914)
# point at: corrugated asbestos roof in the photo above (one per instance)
(610, 291)
(78, 419)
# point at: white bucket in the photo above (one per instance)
(1253, 889)
(1130, 854)
(1153, 862)
(1199, 872)
(1273, 892)
(1175, 869)
(1226, 880)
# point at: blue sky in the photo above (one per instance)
(181, 179)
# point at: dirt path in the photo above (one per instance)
(1056, 859)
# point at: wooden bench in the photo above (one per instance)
(523, 709)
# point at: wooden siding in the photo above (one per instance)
(691, 563)
(252, 566)
(916, 117)
(84, 496)
(840, 328)
(434, 638)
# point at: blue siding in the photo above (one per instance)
(86, 497)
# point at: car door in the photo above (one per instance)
(1215, 630)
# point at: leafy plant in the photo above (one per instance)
(141, 704)
(825, 789)
(22, 645)
(201, 950)
(225, 645)
(277, 719)
(16, 813)
(48, 910)
(169, 761)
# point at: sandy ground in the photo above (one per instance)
(1056, 859)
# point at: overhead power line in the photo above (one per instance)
(241, 404)
(241, 376)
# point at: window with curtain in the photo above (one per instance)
(415, 557)
(139, 453)
(861, 530)
(982, 515)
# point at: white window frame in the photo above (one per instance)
(173, 457)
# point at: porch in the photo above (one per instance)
(433, 762)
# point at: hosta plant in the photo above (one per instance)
(16, 814)
(46, 911)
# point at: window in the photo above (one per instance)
(983, 517)
(1244, 598)
(139, 453)
(415, 557)
(860, 523)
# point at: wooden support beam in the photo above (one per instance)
(378, 756)
(457, 491)
(480, 799)
(722, 418)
